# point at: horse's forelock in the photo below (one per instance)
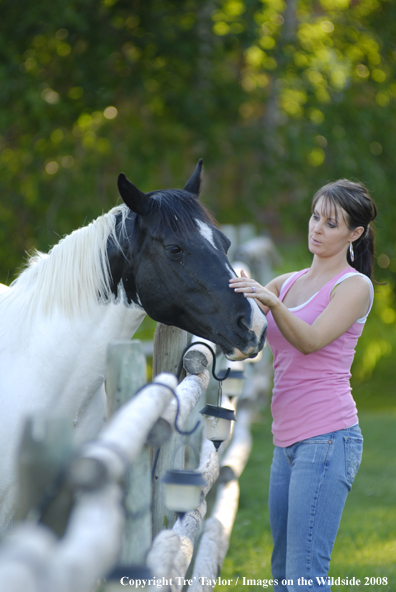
(177, 210)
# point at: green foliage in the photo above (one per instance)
(277, 97)
(378, 340)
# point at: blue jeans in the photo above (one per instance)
(310, 481)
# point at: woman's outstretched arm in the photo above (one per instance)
(350, 301)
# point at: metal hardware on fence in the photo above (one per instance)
(226, 373)
(179, 431)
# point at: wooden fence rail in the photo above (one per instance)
(32, 558)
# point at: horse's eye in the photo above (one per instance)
(174, 250)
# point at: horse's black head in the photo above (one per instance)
(174, 264)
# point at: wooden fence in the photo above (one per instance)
(95, 518)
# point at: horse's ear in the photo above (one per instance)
(136, 200)
(193, 185)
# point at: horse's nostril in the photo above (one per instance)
(242, 323)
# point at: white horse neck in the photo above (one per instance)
(60, 361)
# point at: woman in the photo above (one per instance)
(315, 317)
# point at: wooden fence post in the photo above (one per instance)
(46, 447)
(126, 373)
(169, 344)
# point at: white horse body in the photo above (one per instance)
(53, 361)
(66, 379)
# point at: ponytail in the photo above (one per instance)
(363, 249)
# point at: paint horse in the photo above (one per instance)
(158, 253)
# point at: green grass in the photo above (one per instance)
(366, 542)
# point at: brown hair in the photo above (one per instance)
(360, 210)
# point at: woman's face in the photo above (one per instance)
(328, 234)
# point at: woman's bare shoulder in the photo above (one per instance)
(276, 284)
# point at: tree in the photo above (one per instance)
(277, 96)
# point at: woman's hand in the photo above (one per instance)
(252, 289)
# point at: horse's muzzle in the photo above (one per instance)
(251, 350)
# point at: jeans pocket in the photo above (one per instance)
(353, 456)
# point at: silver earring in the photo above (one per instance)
(351, 253)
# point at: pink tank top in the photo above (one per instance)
(312, 393)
